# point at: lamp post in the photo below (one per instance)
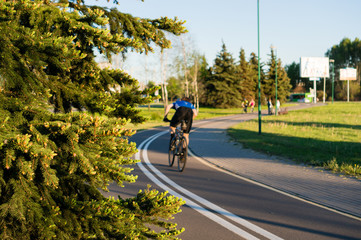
(275, 50)
(259, 75)
(333, 76)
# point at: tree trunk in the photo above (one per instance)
(195, 83)
(163, 84)
(185, 67)
(165, 81)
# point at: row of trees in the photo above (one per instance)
(54, 160)
(228, 82)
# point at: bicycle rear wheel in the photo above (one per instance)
(182, 154)
(171, 151)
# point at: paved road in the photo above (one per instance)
(243, 197)
(310, 183)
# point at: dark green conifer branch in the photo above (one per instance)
(53, 161)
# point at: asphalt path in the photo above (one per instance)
(222, 205)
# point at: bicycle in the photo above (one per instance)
(178, 147)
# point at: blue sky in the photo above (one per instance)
(306, 28)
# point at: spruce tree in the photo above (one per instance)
(204, 75)
(223, 86)
(253, 73)
(246, 74)
(53, 160)
(283, 81)
(293, 72)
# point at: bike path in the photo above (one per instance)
(210, 142)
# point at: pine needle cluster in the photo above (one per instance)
(62, 129)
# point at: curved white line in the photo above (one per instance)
(195, 206)
(190, 203)
(204, 161)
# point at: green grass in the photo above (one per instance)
(155, 115)
(327, 136)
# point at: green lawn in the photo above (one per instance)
(156, 113)
(328, 136)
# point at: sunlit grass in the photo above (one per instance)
(328, 136)
(155, 114)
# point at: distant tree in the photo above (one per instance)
(164, 90)
(187, 64)
(204, 75)
(223, 86)
(293, 72)
(150, 91)
(185, 68)
(253, 63)
(283, 81)
(54, 161)
(341, 91)
(346, 54)
(246, 75)
(195, 78)
(174, 88)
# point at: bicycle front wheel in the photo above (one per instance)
(182, 154)
(171, 152)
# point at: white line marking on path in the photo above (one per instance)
(206, 162)
(194, 205)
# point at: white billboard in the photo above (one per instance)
(348, 74)
(315, 67)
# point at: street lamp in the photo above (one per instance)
(259, 75)
(333, 76)
(275, 52)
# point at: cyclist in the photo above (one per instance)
(185, 110)
(245, 105)
(251, 104)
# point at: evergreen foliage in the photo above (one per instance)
(53, 161)
(223, 86)
(203, 74)
(227, 84)
(253, 63)
(283, 81)
(248, 77)
(293, 72)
